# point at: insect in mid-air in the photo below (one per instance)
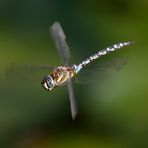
(62, 75)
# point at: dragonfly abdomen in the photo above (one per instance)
(99, 54)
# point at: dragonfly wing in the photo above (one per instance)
(73, 105)
(59, 38)
(14, 71)
(99, 72)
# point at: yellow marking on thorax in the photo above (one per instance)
(59, 79)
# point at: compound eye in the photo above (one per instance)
(49, 83)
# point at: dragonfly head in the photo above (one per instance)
(48, 82)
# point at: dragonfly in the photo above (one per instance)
(62, 75)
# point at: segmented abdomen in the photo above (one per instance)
(99, 54)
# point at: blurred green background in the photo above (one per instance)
(113, 114)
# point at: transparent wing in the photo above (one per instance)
(73, 105)
(99, 71)
(59, 38)
(17, 72)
